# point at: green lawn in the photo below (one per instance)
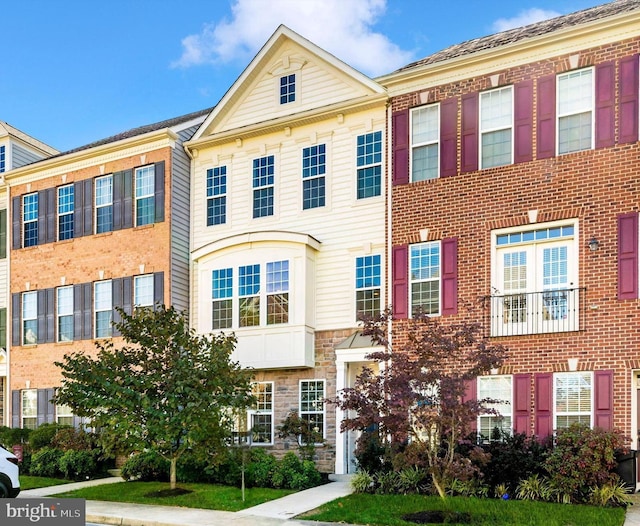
(28, 482)
(208, 496)
(387, 510)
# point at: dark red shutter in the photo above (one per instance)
(603, 399)
(605, 104)
(448, 137)
(543, 393)
(546, 114)
(400, 274)
(522, 403)
(471, 393)
(400, 123)
(628, 99)
(450, 276)
(628, 256)
(469, 132)
(523, 121)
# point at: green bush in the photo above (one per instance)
(43, 435)
(582, 459)
(10, 436)
(77, 465)
(67, 438)
(611, 495)
(260, 468)
(45, 462)
(362, 482)
(147, 466)
(193, 469)
(293, 473)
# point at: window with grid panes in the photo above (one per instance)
(496, 127)
(249, 295)
(216, 195)
(575, 110)
(312, 404)
(369, 165)
(65, 212)
(288, 89)
(3, 159)
(104, 204)
(64, 312)
(277, 280)
(263, 186)
(424, 272)
(222, 295)
(368, 283)
(64, 415)
(29, 318)
(29, 408)
(30, 220)
(497, 388)
(261, 417)
(573, 398)
(102, 304)
(145, 195)
(425, 142)
(143, 291)
(314, 162)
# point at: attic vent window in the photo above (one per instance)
(287, 89)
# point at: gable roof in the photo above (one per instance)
(7, 130)
(521, 33)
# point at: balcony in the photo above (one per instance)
(543, 312)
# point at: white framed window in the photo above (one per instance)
(312, 395)
(425, 142)
(575, 101)
(499, 388)
(143, 291)
(30, 220)
(288, 88)
(64, 313)
(496, 127)
(3, 159)
(261, 417)
(573, 399)
(369, 165)
(64, 415)
(29, 318)
(103, 308)
(368, 286)
(145, 195)
(217, 195)
(263, 186)
(314, 167)
(65, 212)
(425, 273)
(222, 298)
(29, 408)
(104, 203)
(535, 279)
(277, 280)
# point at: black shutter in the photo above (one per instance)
(46, 216)
(15, 409)
(50, 315)
(117, 200)
(78, 209)
(159, 192)
(77, 312)
(88, 207)
(16, 316)
(42, 316)
(158, 289)
(127, 199)
(16, 222)
(42, 407)
(116, 297)
(87, 311)
(42, 217)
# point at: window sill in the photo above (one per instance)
(144, 227)
(65, 342)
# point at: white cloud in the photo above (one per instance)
(341, 27)
(528, 16)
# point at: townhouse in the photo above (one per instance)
(288, 221)
(95, 228)
(16, 149)
(515, 201)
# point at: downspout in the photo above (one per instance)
(388, 236)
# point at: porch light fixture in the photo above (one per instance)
(594, 244)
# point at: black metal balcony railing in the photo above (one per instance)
(548, 311)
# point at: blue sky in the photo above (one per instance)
(74, 71)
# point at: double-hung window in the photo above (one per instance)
(104, 204)
(288, 89)
(143, 291)
(573, 398)
(30, 219)
(64, 313)
(216, 195)
(249, 295)
(368, 284)
(369, 165)
(425, 142)
(263, 186)
(29, 408)
(145, 195)
(277, 292)
(312, 405)
(103, 308)
(314, 165)
(575, 110)
(222, 295)
(498, 388)
(64, 415)
(65, 212)
(535, 280)
(424, 272)
(3, 159)
(496, 127)
(261, 418)
(29, 318)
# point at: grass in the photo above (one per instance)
(387, 510)
(207, 496)
(29, 482)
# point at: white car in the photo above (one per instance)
(9, 481)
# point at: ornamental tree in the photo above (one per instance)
(167, 389)
(418, 395)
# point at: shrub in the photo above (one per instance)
(67, 438)
(612, 495)
(45, 462)
(362, 482)
(469, 488)
(147, 466)
(193, 469)
(534, 488)
(77, 465)
(260, 468)
(293, 473)
(371, 453)
(582, 459)
(10, 436)
(43, 436)
(387, 482)
(412, 480)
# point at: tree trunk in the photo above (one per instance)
(439, 485)
(172, 472)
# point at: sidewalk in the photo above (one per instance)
(275, 513)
